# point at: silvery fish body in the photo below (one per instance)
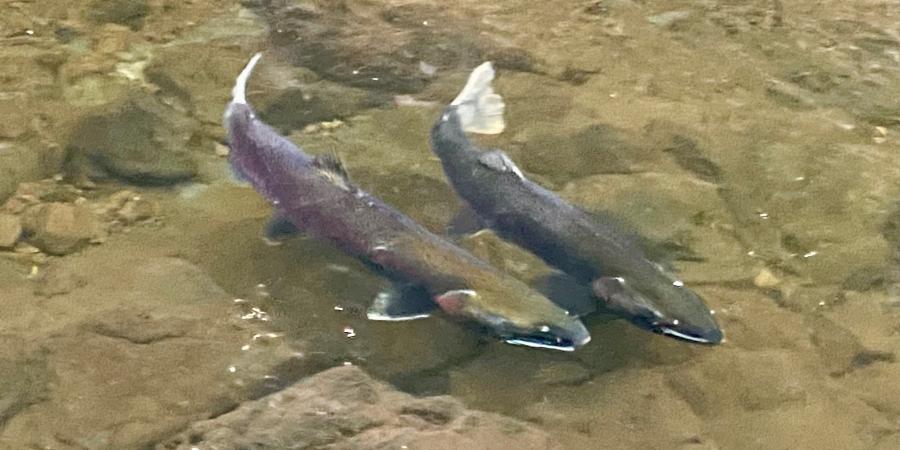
(591, 247)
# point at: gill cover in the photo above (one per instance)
(566, 335)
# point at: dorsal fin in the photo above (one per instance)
(499, 161)
(331, 166)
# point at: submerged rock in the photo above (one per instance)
(55, 280)
(136, 209)
(153, 345)
(20, 162)
(10, 230)
(60, 228)
(343, 408)
(383, 47)
(136, 139)
(24, 377)
(760, 380)
(125, 12)
(639, 410)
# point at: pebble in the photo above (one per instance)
(765, 279)
(669, 18)
(137, 209)
(26, 249)
(60, 228)
(119, 199)
(221, 150)
(14, 206)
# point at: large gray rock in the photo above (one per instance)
(135, 138)
(343, 408)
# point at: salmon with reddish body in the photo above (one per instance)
(313, 195)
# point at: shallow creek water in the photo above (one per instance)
(757, 139)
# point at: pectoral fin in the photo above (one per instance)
(404, 302)
(278, 230)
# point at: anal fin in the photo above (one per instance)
(401, 302)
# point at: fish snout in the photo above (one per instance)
(577, 333)
(565, 336)
(676, 313)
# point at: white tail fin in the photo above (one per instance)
(239, 92)
(479, 108)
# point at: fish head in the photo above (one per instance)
(661, 305)
(535, 322)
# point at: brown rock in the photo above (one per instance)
(126, 12)
(134, 137)
(381, 48)
(22, 162)
(55, 281)
(14, 206)
(24, 374)
(130, 369)
(639, 410)
(59, 228)
(765, 279)
(760, 380)
(344, 408)
(112, 38)
(10, 230)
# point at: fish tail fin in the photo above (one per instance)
(239, 92)
(480, 109)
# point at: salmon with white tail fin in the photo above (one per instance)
(314, 195)
(590, 247)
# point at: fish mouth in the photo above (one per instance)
(710, 338)
(551, 341)
(563, 345)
